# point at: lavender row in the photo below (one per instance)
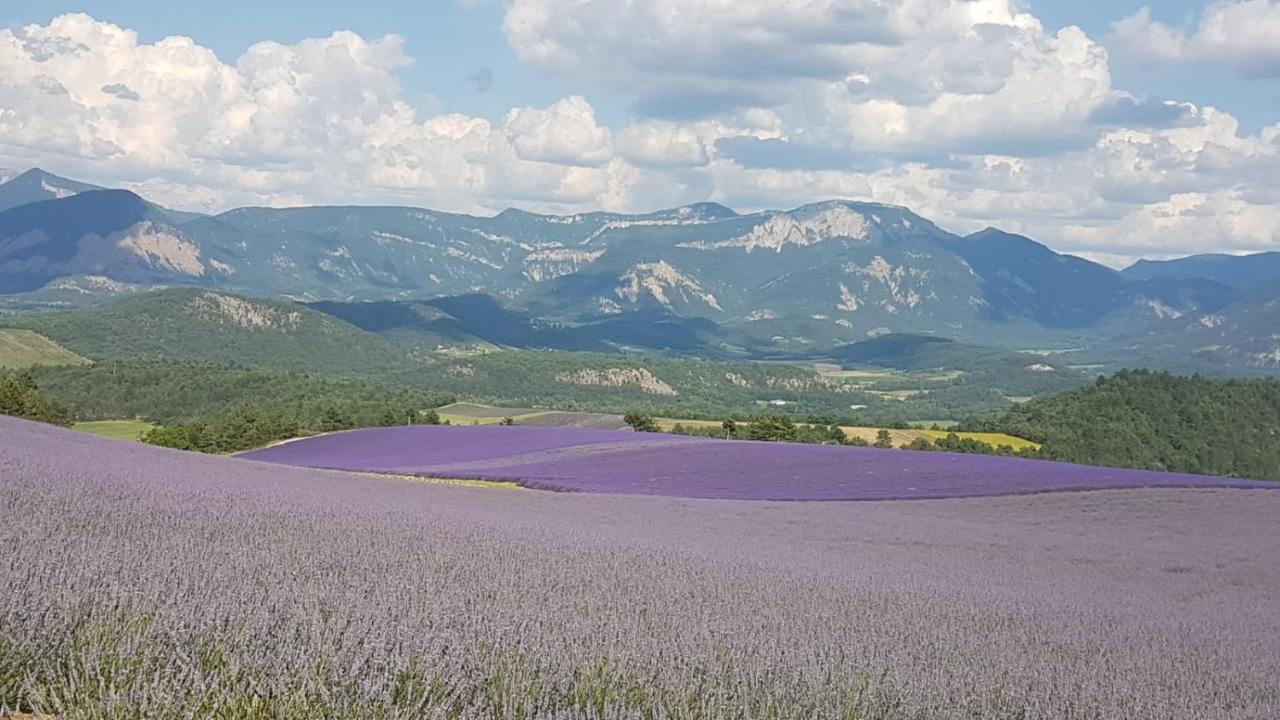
(141, 582)
(603, 461)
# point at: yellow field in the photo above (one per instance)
(865, 374)
(996, 439)
(24, 348)
(869, 433)
(115, 429)
(667, 423)
(900, 437)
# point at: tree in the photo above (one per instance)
(333, 419)
(640, 423)
(177, 437)
(772, 428)
(20, 397)
(730, 428)
(884, 439)
(920, 443)
(507, 421)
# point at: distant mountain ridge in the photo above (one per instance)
(767, 283)
(1237, 271)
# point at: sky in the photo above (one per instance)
(1114, 129)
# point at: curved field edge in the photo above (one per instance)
(677, 466)
(500, 481)
(151, 583)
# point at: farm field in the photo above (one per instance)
(115, 429)
(391, 599)
(603, 461)
(24, 348)
(995, 439)
(476, 414)
(869, 433)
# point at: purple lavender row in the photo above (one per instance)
(602, 461)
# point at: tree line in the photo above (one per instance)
(772, 427)
(246, 426)
(1157, 421)
(20, 396)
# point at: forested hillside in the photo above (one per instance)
(169, 391)
(1157, 421)
(204, 326)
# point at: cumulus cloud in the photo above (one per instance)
(565, 133)
(321, 120)
(955, 75)
(968, 111)
(1127, 111)
(1240, 33)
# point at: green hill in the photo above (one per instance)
(1157, 421)
(207, 326)
(170, 391)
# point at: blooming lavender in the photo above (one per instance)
(142, 582)
(646, 464)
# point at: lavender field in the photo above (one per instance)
(603, 461)
(141, 582)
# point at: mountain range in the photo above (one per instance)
(690, 279)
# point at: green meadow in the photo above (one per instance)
(115, 429)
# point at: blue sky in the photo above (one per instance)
(449, 41)
(452, 41)
(1115, 129)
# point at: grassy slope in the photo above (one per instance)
(115, 429)
(24, 348)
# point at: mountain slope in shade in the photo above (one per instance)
(36, 185)
(105, 233)
(1237, 271)
(1024, 279)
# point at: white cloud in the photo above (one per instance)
(564, 133)
(1244, 34)
(322, 120)
(967, 111)
(949, 74)
(659, 144)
